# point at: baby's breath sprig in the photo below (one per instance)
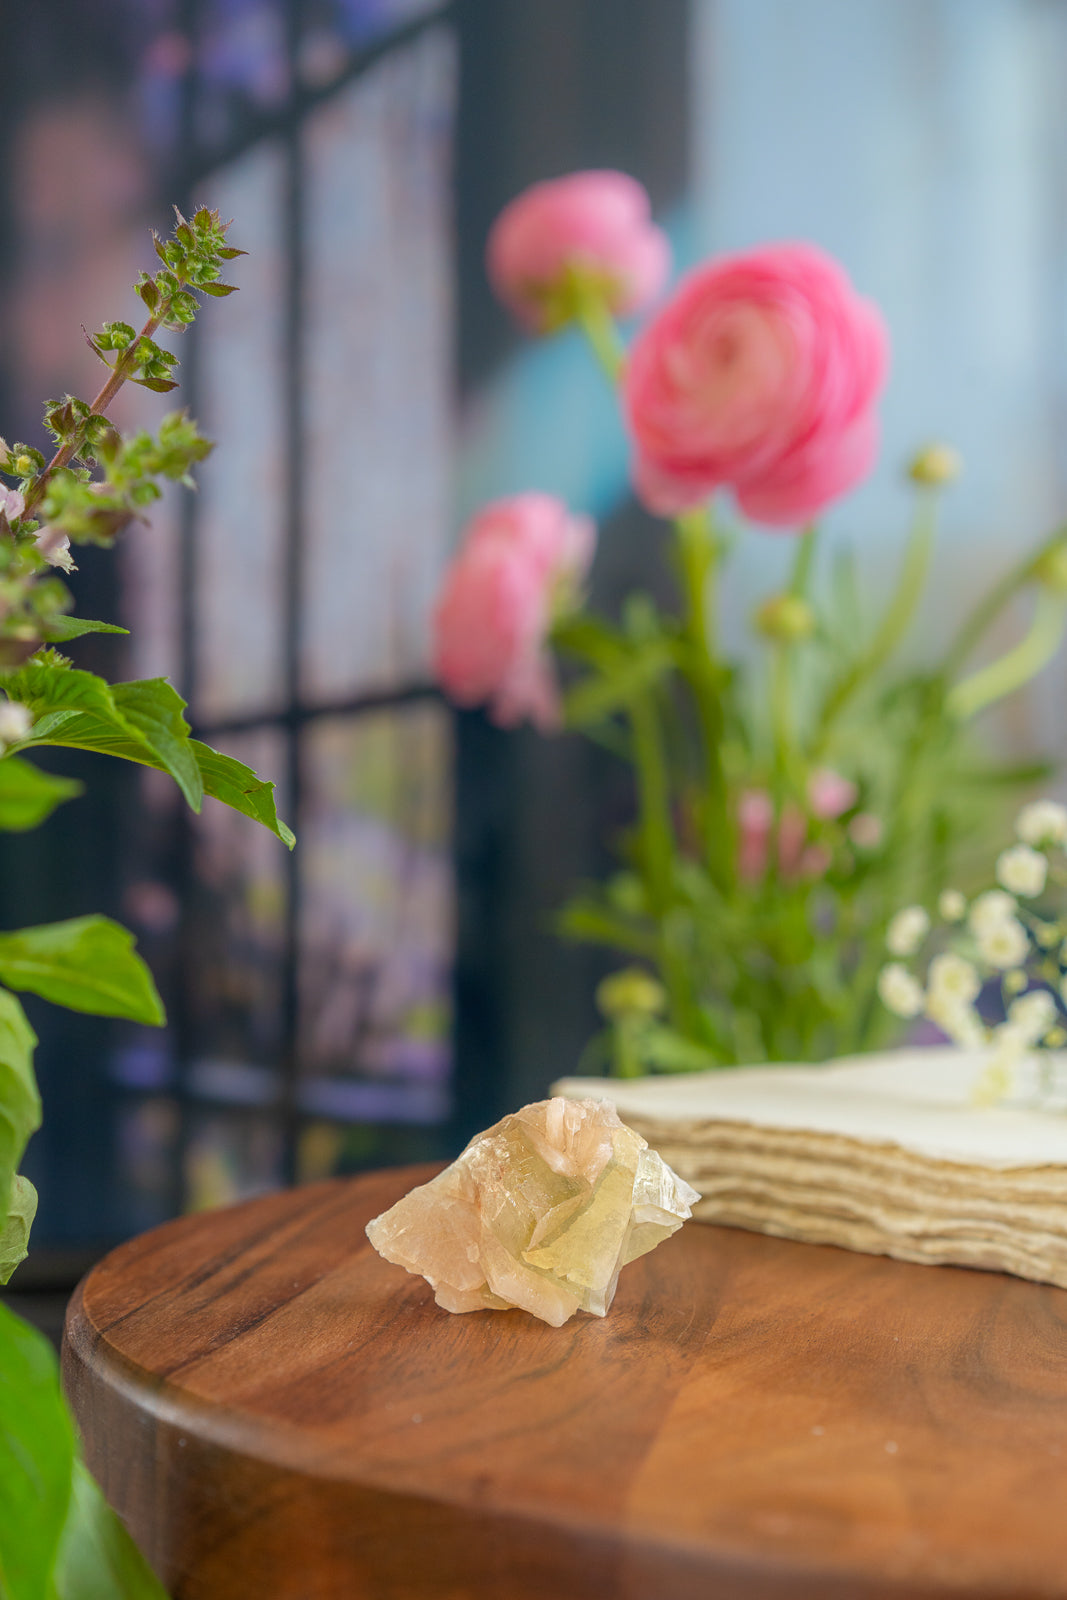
(996, 940)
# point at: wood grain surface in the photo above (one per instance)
(279, 1413)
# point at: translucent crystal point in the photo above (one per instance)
(542, 1211)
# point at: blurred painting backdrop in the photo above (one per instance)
(395, 983)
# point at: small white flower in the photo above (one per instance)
(906, 931)
(1003, 944)
(55, 547)
(1042, 822)
(1022, 870)
(15, 721)
(957, 1019)
(952, 906)
(990, 909)
(951, 977)
(900, 992)
(1033, 1014)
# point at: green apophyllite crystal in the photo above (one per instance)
(541, 1212)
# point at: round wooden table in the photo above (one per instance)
(280, 1414)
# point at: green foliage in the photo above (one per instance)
(20, 1103)
(774, 955)
(63, 500)
(86, 964)
(63, 629)
(15, 1232)
(238, 786)
(141, 721)
(28, 796)
(36, 1462)
(97, 1558)
(58, 1539)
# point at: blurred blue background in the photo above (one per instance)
(395, 984)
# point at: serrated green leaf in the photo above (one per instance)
(142, 721)
(15, 1230)
(238, 786)
(37, 1452)
(28, 795)
(97, 1558)
(60, 629)
(86, 963)
(20, 1103)
(139, 721)
(219, 290)
(156, 710)
(157, 385)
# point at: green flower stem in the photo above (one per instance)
(896, 620)
(781, 719)
(800, 578)
(656, 832)
(1016, 667)
(599, 327)
(656, 835)
(782, 663)
(124, 365)
(697, 559)
(973, 629)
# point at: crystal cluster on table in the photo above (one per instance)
(540, 1212)
(884, 1153)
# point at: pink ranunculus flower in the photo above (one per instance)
(596, 223)
(522, 560)
(761, 375)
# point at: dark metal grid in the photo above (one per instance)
(292, 717)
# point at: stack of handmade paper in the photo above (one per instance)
(887, 1154)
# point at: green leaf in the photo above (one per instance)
(59, 1540)
(86, 963)
(139, 721)
(20, 1103)
(601, 695)
(28, 795)
(15, 1232)
(97, 1558)
(36, 1461)
(238, 786)
(60, 629)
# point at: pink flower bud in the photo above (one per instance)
(829, 794)
(761, 375)
(521, 561)
(593, 225)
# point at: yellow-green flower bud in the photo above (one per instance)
(1051, 570)
(631, 992)
(23, 466)
(785, 618)
(935, 465)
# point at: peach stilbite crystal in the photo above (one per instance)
(542, 1212)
